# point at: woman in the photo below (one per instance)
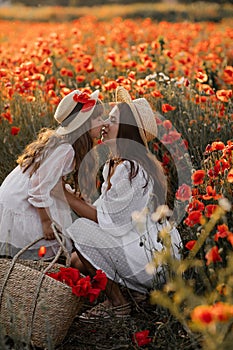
(106, 237)
(28, 196)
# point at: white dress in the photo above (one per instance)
(114, 244)
(21, 195)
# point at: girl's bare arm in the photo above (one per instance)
(82, 208)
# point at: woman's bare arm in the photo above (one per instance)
(82, 208)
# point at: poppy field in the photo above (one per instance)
(185, 70)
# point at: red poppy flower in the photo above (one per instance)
(42, 251)
(195, 205)
(166, 159)
(69, 275)
(184, 193)
(202, 314)
(167, 124)
(211, 193)
(230, 176)
(201, 77)
(189, 245)
(83, 286)
(213, 256)
(224, 95)
(198, 177)
(141, 338)
(221, 165)
(222, 311)
(99, 280)
(84, 98)
(15, 130)
(217, 146)
(193, 218)
(166, 108)
(171, 137)
(7, 116)
(157, 94)
(222, 232)
(93, 294)
(210, 209)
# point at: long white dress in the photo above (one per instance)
(21, 195)
(115, 244)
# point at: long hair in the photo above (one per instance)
(47, 140)
(131, 147)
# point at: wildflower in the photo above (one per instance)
(184, 192)
(166, 108)
(139, 218)
(211, 193)
(217, 146)
(201, 77)
(161, 212)
(141, 338)
(210, 209)
(213, 256)
(224, 95)
(195, 205)
(198, 177)
(222, 311)
(202, 315)
(193, 218)
(222, 232)
(225, 204)
(150, 268)
(221, 165)
(156, 93)
(230, 176)
(82, 287)
(167, 124)
(15, 130)
(42, 251)
(190, 245)
(99, 280)
(84, 98)
(7, 116)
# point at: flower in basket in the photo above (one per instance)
(80, 285)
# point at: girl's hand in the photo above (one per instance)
(46, 223)
(47, 230)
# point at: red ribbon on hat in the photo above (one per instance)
(85, 99)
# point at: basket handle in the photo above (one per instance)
(61, 240)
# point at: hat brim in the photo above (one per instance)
(122, 95)
(80, 119)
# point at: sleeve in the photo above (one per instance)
(58, 163)
(115, 209)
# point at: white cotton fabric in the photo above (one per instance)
(21, 195)
(113, 244)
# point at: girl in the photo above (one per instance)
(28, 204)
(134, 186)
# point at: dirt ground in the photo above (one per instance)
(164, 332)
(115, 333)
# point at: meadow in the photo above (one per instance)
(185, 70)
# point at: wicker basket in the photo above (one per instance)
(35, 308)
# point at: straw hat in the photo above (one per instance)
(84, 104)
(142, 112)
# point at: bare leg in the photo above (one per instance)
(77, 264)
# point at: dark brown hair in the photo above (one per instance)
(137, 151)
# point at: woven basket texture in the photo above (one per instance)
(37, 315)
